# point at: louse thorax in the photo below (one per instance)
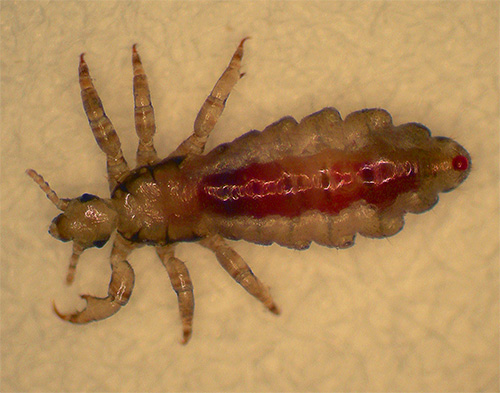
(157, 204)
(87, 220)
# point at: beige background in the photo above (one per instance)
(418, 311)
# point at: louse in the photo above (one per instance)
(321, 180)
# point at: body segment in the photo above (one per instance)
(321, 180)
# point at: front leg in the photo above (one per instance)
(119, 291)
(104, 132)
(212, 107)
(143, 113)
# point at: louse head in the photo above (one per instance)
(88, 220)
(451, 164)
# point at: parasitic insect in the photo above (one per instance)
(321, 180)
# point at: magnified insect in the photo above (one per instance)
(323, 180)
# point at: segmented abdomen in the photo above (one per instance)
(328, 182)
(322, 179)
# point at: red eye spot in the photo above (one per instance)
(460, 163)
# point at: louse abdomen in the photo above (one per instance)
(328, 182)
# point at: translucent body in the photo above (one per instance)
(322, 180)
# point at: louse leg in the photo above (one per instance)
(213, 106)
(144, 113)
(181, 283)
(104, 132)
(119, 291)
(234, 264)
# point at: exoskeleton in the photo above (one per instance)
(321, 180)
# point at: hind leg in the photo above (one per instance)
(213, 106)
(144, 113)
(234, 264)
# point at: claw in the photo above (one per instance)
(186, 335)
(97, 308)
(273, 308)
(119, 291)
(243, 41)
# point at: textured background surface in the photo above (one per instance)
(418, 311)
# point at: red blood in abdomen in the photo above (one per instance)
(294, 185)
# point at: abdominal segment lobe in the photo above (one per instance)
(329, 182)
